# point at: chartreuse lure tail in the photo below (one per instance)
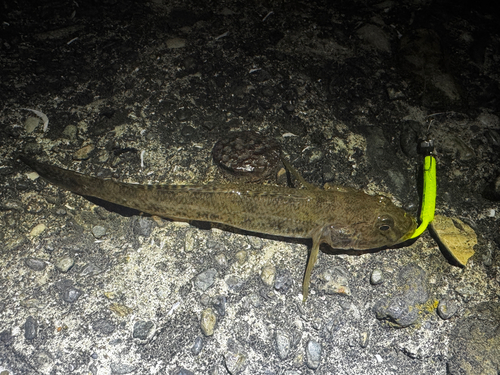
(428, 195)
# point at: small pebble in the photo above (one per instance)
(142, 329)
(143, 226)
(268, 275)
(403, 307)
(255, 242)
(254, 300)
(120, 309)
(235, 362)
(283, 281)
(71, 294)
(84, 152)
(314, 155)
(364, 338)
(30, 328)
(336, 281)
(377, 277)
(104, 326)
(64, 264)
(208, 321)
(219, 304)
(241, 257)
(446, 309)
(197, 346)
(31, 124)
(12, 205)
(121, 368)
(37, 230)
(98, 231)
(6, 338)
(205, 279)
(69, 132)
(235, 283)
(282, 344)
(35, 264)
(221, 260)
(313, 354)
(90, 269)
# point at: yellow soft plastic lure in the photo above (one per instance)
(428, 195)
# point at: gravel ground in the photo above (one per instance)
(142, 91)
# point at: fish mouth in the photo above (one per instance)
(410, 232)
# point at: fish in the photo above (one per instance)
(343, 218)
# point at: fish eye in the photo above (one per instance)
(385, 223)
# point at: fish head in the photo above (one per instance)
(374, 223)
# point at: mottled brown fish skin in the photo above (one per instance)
(342, 218)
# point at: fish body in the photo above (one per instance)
(342, 218)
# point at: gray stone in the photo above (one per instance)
(219, 304)
(400, 309)
(71, 294)
(205, 279)
(121, 368)
(142, 226)
(69, 132)
(90, 269)
(336, 281)
(142, 329)
(61, 212)
(31, 124)
(255, 242)
(283, 281)
(375, 36)
(104, 326)
(63, 284)
(235, 283)
(377, 277)
(98, 231)
(313, 354)
(64, 264)
(221, 260)
(197, 346)
(446, 309)
(30, 328)
(268, 275)
(35, 264)
(475, 343)
(235, 362)
(282, 344)
(6, 337)
(241, 257)
(174, 43)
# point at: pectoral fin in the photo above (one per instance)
(313, 255)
